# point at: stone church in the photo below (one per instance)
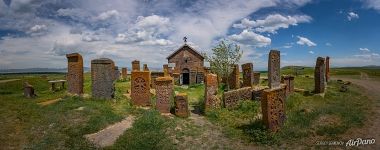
(188, 64)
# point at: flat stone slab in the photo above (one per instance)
(109, 135)
(49, 102)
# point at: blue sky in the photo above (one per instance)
(38, 33)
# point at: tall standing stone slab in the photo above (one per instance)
(274, 77)
(319, 76)
(117, 73)
(164, 93)
(124, 72)
(136, 65)
(181, 105)
(211, 91)
(247, 74)
(256, 78)
(140, 88)
(273, 108)
(234, 82)
(74, 73)
(145, 68)
(102, 77)
(327, 69)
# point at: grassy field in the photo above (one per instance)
(61, 125)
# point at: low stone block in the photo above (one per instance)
(181, 105)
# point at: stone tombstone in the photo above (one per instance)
(211, 91)
(274, 69)
(256, 78)
(233, 97)
(234, 82)
(140, 88)
(288, 81)
(102, 78)
(273, 108)
(135, 65)
(117, 73)
(181, 105)
(145, 68)
(74, 73)
(319, 75)
(247, 74)
(176, 77)
(28, 90)
(124, 74)
(327, 69)
(164, 93)
(291, 84)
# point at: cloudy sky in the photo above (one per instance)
(38, 33)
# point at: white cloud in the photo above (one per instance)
(328, 44)
(305, 41)
(364, 49)
(311, 52)
(273, 22)
(352, 15)
(107, 15)
(373, 4)
(251, 38)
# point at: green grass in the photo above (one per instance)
(25, 124)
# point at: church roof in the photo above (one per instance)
(181, 48)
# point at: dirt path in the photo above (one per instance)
(200, 133)
(109, 135)
(371, 129)
(9, 80)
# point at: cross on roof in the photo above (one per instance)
(185, 39)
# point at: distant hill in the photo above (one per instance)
(33, 70)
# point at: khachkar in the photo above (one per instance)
(256, 78)
(327, 69)
(273, 99)
(289, 82)
(247, 74)
(181, 105)
(319, 76)
(117, 73)
(145, 67)
(274, 69)
(211, 89)
(164, 93)
(124, 73)
(234, 82)
(74, 73)
(136, 65)
(140, 86)
(102, 78)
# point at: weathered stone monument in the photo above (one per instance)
(247, 74)
(140, 88)
(74, 73)
(234, 82)
(102, 78)
(289, 82)
(136, 65)
(319, 76)
(327, 69)
(274, 69)
(273, 99)
(273, 108)
(124, 73)
(256, 78)
(181, 105)
(117, 73)
(233, 97)
(193, 76)
(29, 90)
(211, 89)
(145, 67)
(164, 93)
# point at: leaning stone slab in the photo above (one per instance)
(109, 135)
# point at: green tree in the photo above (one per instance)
(224, 56)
